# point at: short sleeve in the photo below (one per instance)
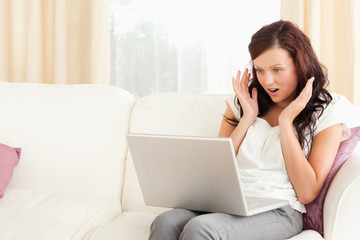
(231, 102)
(338, 111)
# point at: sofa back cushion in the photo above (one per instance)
(174, 114)
(72, 136)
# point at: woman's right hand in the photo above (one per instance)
(248, 103)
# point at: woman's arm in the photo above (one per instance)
(237, 133)
(250, 110)
(307, 175)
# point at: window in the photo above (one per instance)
(191, 46)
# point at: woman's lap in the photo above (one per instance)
(183, 224)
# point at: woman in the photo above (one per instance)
(285, 128)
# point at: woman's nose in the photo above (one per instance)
(268, 79)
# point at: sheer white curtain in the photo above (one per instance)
(191, 46)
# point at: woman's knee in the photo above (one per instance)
(163, 228)
(170, 223)
(165, 220)
(198, 228)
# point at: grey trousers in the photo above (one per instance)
(184, 224)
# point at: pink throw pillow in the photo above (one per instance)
(9, 158)
(313, 218)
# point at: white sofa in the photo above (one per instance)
(75, 179)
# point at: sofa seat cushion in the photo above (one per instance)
(26, 214)
(128, 226)
(307, 235)
(136, 226)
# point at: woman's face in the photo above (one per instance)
(276, 73)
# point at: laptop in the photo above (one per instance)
(195, 173)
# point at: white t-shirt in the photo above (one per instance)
(261, 163)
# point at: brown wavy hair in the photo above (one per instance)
(289, 37)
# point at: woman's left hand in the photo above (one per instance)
(296, 106)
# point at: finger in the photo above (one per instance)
(306, 93)
(237, 80)
(236, 87)
(247, 78)
(244, 82)
(234, 83)
(311, 81)
(309, 85)
(238, 75)
(254, 93)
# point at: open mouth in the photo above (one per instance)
(273, 90)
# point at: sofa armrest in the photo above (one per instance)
(341, 210)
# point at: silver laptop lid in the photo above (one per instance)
(197, 173)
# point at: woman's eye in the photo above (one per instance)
(277, 69)
(259, 70)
